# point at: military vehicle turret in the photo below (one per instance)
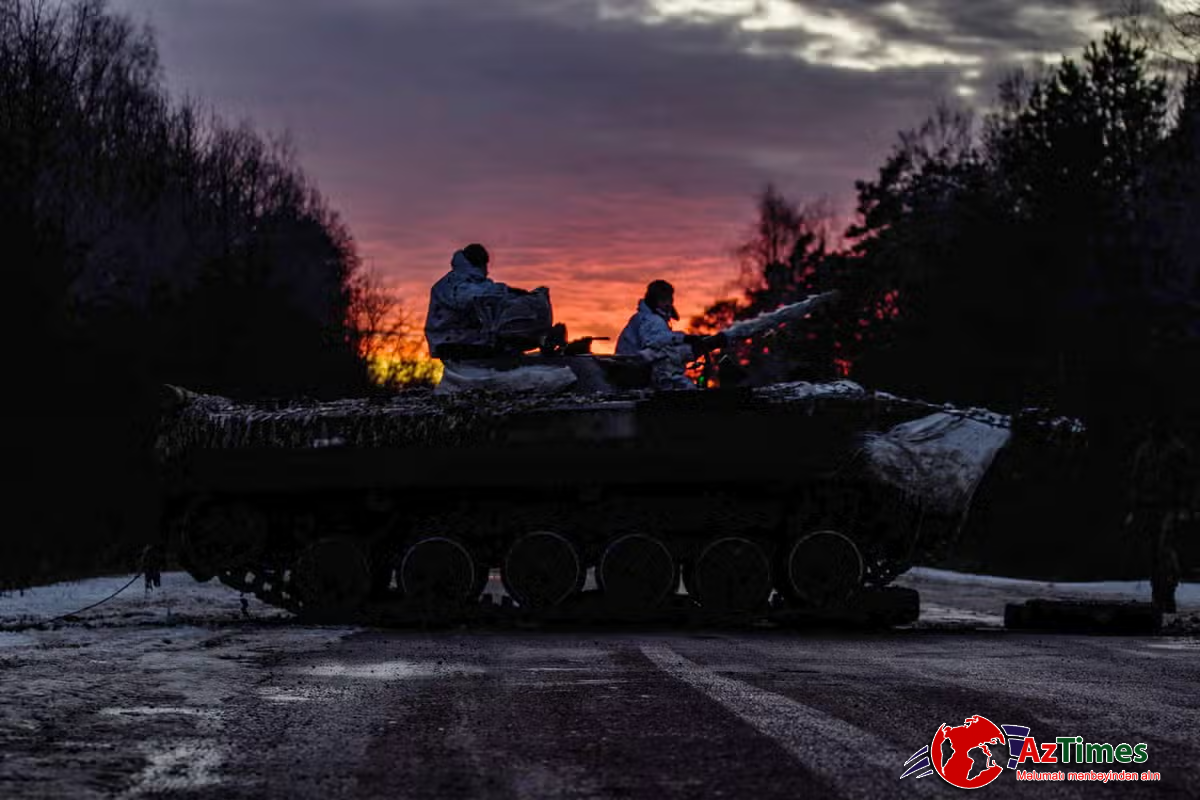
(790, 497)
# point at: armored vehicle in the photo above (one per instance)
(733, 503)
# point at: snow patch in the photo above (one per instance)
(179, 595)
(945, 615)
(16, 639)
(803, 390)
(205, 717)
(283, 697)
(1191, 644)
(1187, 594)
(180, 766)
(963, 600)
(391, 670)
(302, 694)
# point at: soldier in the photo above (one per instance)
(1164, 494)
(472, 316)
(648, 334)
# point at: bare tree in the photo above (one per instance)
(1184, 17)
(389, 339)
(384, 324)
(1168, 29)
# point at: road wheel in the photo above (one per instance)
(542, 569)
(636, 572)
(437, 572)
(823, 569)
(731, 575)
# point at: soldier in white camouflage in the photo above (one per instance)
(472, 316)
(648, 334)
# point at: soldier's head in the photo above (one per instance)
(477, 254)
(660, 296)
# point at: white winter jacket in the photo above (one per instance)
(456, 314)
(649, 335)
(647, 330)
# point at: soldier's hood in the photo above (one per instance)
(461, 264)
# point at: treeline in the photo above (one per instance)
(1042, 255)
(1012, 260)
(144, 241)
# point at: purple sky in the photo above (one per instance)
(592, 145)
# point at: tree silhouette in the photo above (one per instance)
(1017, 249)
(146, 241)
(785, 258)
(932, 249)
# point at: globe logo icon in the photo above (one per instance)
(970, 755)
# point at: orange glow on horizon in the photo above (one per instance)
(593, 305)
(596, 255)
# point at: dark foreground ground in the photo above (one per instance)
(193, 700)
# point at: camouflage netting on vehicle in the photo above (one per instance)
(411, 418)
(936, 460)
(421, 416)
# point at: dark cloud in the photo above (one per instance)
(589, 142)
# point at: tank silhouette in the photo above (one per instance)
(795, 498)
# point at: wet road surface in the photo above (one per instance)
(215, 707)
(704, 715)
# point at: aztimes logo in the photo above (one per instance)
(977, 752)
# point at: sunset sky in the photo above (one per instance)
(591, 145)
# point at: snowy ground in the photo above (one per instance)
(128, 699)
(952, 598)
(961, 599)
(179, 600)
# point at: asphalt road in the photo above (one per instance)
(721, 715)
(209, 707)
